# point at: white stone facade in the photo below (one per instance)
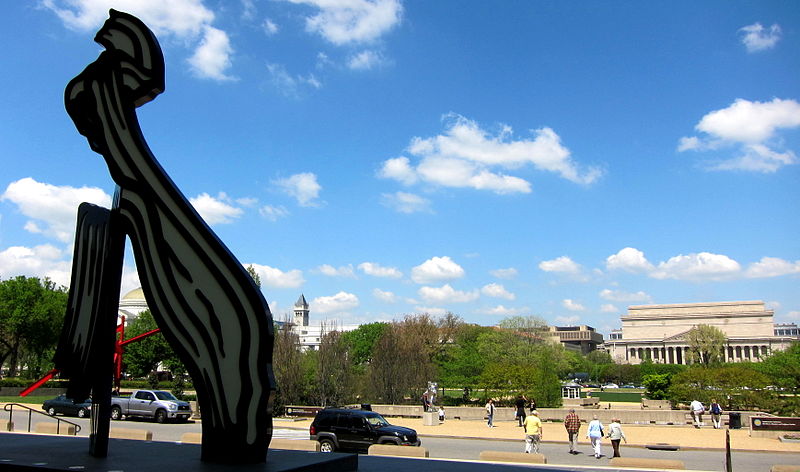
(658, 332)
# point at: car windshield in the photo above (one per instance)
(377, 420)
(165, 396)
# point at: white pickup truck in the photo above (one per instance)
(156, 404)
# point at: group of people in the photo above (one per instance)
(572, 423)
(698, 409)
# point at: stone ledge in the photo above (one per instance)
(399, 451)
(640, 463)
(504, 456)
(125, 433)
(54, 428)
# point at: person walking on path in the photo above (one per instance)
(490, 412)
(533, 432)
(441, 414)
(573, 425)
(697, 412)
(616, 434)
(595, 435)
(520, 404)
(716, 413)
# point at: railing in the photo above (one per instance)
(10, 409)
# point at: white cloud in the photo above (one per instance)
(562, 264)
(352, 21)
(436, 269)
(608, 308)
(376, 270)
(303, 187)
(365, 60)
(752, 128)
(342, 302)
(793, 315)
(572, 305)
(187, 20)
(629, 259)
(433, 311)
(567, 320)
(497, 291)
(289, 85)
(772, 267)
(216, 210)
(501, 310)
(276, 278)
(757, 38)
(273, 213)
(702, 266)
(625, 297)
(408, 203)
(446, 294)
(384, 296)
(507, 274)
(466, 155)
(342, 271)
(42, 261)
(53, 209)
(270, 28)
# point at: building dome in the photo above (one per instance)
(132, 303)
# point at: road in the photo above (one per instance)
(469, 449)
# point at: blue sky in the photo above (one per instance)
(563, 159)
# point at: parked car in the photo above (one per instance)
(156, 404)
(67, 406)
(610, 385)
(338, 428)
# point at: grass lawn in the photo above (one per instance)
(624, 395)
(29, 399)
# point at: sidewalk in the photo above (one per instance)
(687, 437)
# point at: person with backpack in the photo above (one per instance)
(716, 414)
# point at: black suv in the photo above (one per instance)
(337, 428)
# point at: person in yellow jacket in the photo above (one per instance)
(533, 432)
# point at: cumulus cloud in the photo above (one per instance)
(292, 86)
(216, 210)
(342, 302)
(446, 294)
(276, 278)
(408, 203)
(384, 296)
(331, 271)
(697, 267)
(565, 266)
(273, 213)
(352, 21)
(189, 21)
(270, 28)
(608, 308)
(625, 297)
(436, 269)
(365, 60)
(630, 260)
(497, 291)
(752, 128)
(41, 261)
(772, 267)
(376, 270)
(303, 187)
(757, 38)
(572, 305)
(467, 156)
(52, 209)
(501, 310)
(567, 320)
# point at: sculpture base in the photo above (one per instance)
(54, 453)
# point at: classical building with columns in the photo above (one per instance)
(658, 332)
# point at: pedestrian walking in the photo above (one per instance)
(520, 404)
(716, 414)
(533, 432)
(697, 412)
(490, 413)
(573, 424)
(616, 434)
(441, 414)
(595, 435)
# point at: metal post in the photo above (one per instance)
(728, 464)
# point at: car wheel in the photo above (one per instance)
(326, 445)
(161, 416)
(82, 413)
(51, 411)
(116, 413)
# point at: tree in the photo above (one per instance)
(31, 316)
(142, 357)
(256, 278)
(783, 368)
(361, 341)
(334, 376)
(706, 345)
(287, 365)
(657, 386)
(737, 386)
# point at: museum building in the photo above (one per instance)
(658, 332)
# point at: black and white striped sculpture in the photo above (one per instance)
(204, 301)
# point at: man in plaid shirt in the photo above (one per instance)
(573, 424)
